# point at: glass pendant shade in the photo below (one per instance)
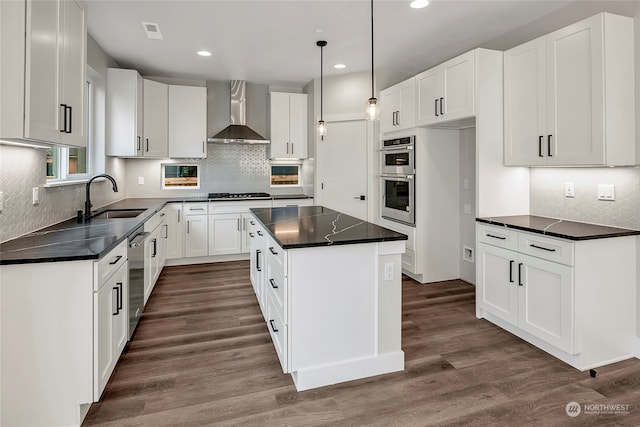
(372, 110)
(322, 128)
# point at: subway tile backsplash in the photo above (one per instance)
(547, 194)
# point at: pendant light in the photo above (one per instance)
(372, 111)
(322, 126)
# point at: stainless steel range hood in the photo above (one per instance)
(238, 132)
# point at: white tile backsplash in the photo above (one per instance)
(548, 199)
(23, 168)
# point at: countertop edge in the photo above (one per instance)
(623, 233)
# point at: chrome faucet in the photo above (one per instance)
(87, 202)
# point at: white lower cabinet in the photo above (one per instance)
(225, 233)
(175, 231)
(258, 271)
(565, 297)
(154, 250)
(111, 325)
(196, 230)
(532, 293)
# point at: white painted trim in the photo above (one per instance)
(344, 117)
(206, 259)
(320, 376)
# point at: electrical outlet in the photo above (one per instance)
(388, 271)
(35, 192)
(141, 180)
(606, 192)
(569, 189)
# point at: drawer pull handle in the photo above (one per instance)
(542, 247)
(115, 261)
(260, 233)
(511, 271)
(258, 267)
(272, 251)
(251, 235)
(252, 223)
(196, 209)
(273, 328)
(496, 237)
(273, 284)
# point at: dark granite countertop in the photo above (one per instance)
(308, 226)
(73, 241)
(564, 229)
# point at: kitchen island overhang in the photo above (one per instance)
(329, 287)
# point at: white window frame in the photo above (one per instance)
(296, 164)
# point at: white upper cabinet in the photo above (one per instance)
(44, 72)
(187, 121)
(124, 113)
(569, 96)
(137, 115)
(288, 125)
(156, 114)
(447, 91)
(398, 106)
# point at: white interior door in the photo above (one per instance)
(342, 168)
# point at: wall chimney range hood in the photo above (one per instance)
(238, 132)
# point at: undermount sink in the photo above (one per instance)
(118, 213)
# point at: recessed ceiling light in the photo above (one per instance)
(204, 53)
(319, 30)
(419, 4)
(339, 66)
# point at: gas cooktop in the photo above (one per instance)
(239, 196)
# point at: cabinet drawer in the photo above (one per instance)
(276, 283)
(409, 261)
(109, 263)
(234, 207)
(551, 249)
(278, 332)
(497, 236)
(153, 222)
(196, 208)
(275, 252)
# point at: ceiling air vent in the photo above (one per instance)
(152, 30)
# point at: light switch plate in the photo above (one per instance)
(388, 271)
(35, 195)
(606, 192)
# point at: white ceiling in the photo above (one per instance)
(274, 42)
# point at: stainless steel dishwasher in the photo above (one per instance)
(136, 277)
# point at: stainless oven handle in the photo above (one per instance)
(396, 148)
(396, 176)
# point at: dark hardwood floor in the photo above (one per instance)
(202, 355)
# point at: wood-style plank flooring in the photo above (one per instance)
(202, 355)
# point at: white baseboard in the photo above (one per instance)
(206, 259)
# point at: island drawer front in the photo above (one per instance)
(497, 236)
(194, 208)
(109, 263)
(278, 331)
(548, 248)
(276, 283)
(275, 251)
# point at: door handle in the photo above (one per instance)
(511, 271)
(436, 107)
(540, 146)
(441, 112)
(115, 288)
(147, 139)
(520, 274)
(273, 328)
(70, 120)
(138, 149)
(119, 284)
(258, 266)
(238, 224)
(549, 146)
(398, 118)
(166, 231)
(361, 197)
(63, 128)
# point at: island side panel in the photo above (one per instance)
(390, 297)
(333, 297)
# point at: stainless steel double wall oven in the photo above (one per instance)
(397, 179)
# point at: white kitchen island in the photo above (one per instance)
(329, 286)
